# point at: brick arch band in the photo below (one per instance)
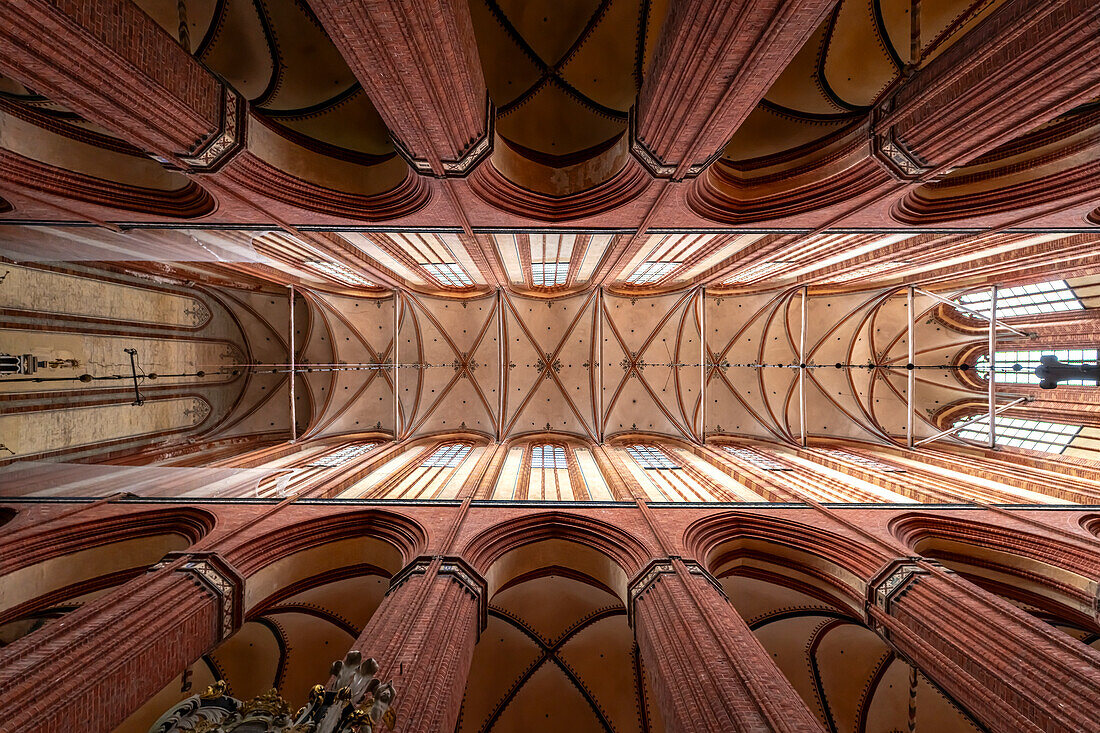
(625, 550)
(191, 524)
(839, 563)
(408, 537)
(1039, 560)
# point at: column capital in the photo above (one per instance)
(211, 154)
(652, 574)
(893, 154)
(464, 164)
(891, 581)
(216, 575)
(652, 162)
(455, 568)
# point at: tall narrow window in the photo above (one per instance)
(651, 457)
(548, 456)
(1029, 360)
(1014, 432)
(547, 274)
(755, 272)
(875, 269)
(864, 461)
(665, 476)
(549, 479)
(339, 272)
(448, 274)
(651, 272)
(341, 456)
(446, 456)
(1026, 300)
(756, 458)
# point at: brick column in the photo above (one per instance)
(112, 64)
(423, 637)
(1039, 53)
(710, 72)
(418, 62)
(708, 670)
(92, 668)
(1009, 670)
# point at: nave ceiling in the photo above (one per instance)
(596, 365)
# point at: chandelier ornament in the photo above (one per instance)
(354, 702)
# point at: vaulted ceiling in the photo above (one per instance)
(596, 365)
(595, 217)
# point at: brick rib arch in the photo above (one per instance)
(620, 546)
(705, 539)
(405, 535)
(52, 542)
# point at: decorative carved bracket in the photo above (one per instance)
(477, 151)
(652, 574)
(652, 162)
(896, 157)
(890, 583)
(219, 149)
(457, 570)
(213, 573)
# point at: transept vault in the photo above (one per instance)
(602, 366)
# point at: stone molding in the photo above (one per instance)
(222, 146)
(216, 575)
(475, 152)
(891, 582)
(455, 568)
(652, 162)
(652, 574)
(895, 156)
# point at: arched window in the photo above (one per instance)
(417, 473)
(448, 274)
(548, 456)
(549, 477)
(1018, 433)
(550, 472)
(648, 273)
(862, 460)
(299, 472)
(446, 456)
(664, 478)
(549, 274)
(1026, 300)
(1029, 360)
(651, 457)
(341, 455)
(756, 458)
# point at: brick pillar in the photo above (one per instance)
(419, 64)
(423, 637)
(1041, 53)
(1011, 671)
(708, 670)
(112, 64)
(92, 668)
(709, 73)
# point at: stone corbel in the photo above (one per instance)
(219, 149)
(891, 582)
(457, 570)
(217, 576)
(894, 155)
(653, 573)
(652, 162)
(475, 153)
